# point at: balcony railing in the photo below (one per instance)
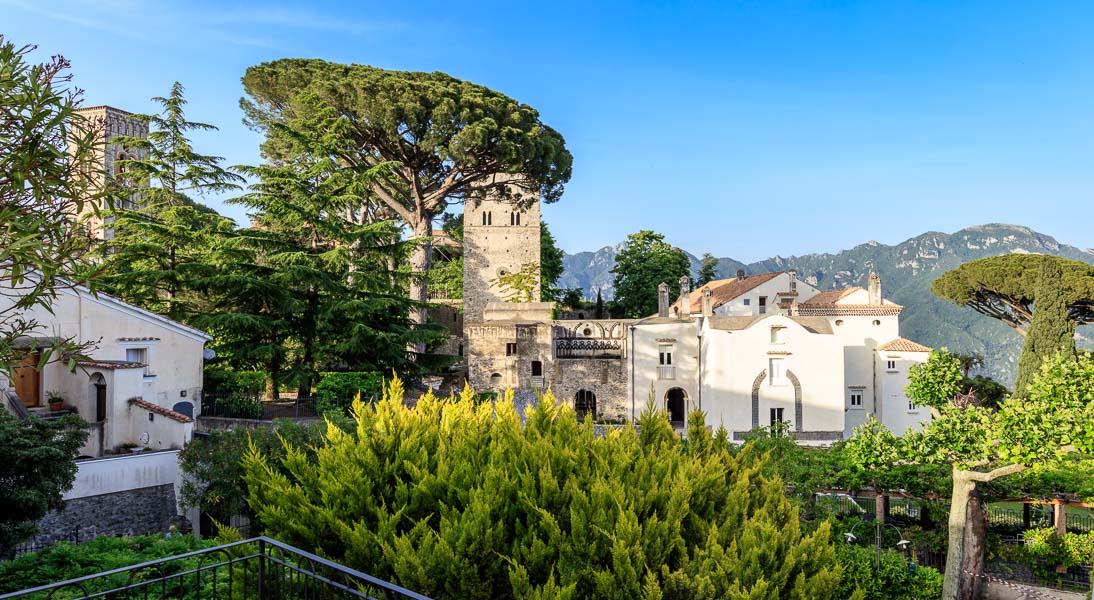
(588, 348)
(260, 568)
(665, 372)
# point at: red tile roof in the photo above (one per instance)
(159, 410)
(831, 296)
(725, 290)
(903, 345)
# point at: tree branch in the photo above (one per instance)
(996, 473)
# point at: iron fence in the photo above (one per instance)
(1006, 518)
(243, 406)
(257, 568)
(45, 542)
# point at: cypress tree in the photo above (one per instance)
(1050, 331)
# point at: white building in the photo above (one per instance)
(141, 386)
(751, 354)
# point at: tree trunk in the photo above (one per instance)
(972, 564)
(307, 362)
(963, 487)
(420, 258)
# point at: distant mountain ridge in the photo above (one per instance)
(906, 269)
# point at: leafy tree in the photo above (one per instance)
(708, 266)
(645, 262)
(981, 444)
(550, 265)
(1051, 331)
(341, 305)
(1005, 287)
(434, 140)
(213, 464)
(453, 499)
(572, 298)
(970, 361)
(49, 174)
(162, 244)
(36, 469)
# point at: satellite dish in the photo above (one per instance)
(209, 354)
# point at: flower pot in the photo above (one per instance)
(56, 406)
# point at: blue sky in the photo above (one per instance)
(746, 129)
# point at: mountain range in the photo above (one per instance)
(906, 269)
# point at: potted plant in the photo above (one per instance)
(56, 401)
(127, 447)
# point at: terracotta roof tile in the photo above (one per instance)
(111, 364)
(903, 345)
(725, 290)
(159, 410)
(831, 296)
(138, 339)
(851, 310)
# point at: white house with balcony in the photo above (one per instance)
(757, 350)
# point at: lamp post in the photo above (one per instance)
(878, 525)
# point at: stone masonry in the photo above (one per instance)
(150, 510)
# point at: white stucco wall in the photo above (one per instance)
(894, 410)
(682, 336)
(859, 337)
(127, 472)
(734, 359)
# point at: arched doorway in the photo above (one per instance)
(676, 402)
(97, 391)
(585, 404)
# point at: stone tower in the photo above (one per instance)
(498, 239)
(113, 122)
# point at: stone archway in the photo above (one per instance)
(798, 408)
(676, 403)
(584, 404)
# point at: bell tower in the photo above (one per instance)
(499, 238)
(111, 123)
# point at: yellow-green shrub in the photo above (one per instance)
(455, 499)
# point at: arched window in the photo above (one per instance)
(487, 218)
(495, 380)
(585, 404)
(514, 218)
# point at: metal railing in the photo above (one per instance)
(246, 406)
(665, 372)
(258, 568)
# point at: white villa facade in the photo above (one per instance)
(820, 366)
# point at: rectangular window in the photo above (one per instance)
(855, 400)
(778, 335)
(776, 372)
(665, 355)
(748, 301)
(510, 348)
(537, 368)
(139, 355)
(776, 416)
(912, 407)
(890, 365)
(763, 305)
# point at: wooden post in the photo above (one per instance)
(1060, 522)
(881, 508)
(1027, 516)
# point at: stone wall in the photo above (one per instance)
(150, 510)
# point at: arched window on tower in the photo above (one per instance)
(514, 218)
(487, 218)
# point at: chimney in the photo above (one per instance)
(874, 289)
(708, 302)
(793, 273)
(685, 296)
(740, 274)
(663, 300)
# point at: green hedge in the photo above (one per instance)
(336, 391)
(68, 561)
(235, 382)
